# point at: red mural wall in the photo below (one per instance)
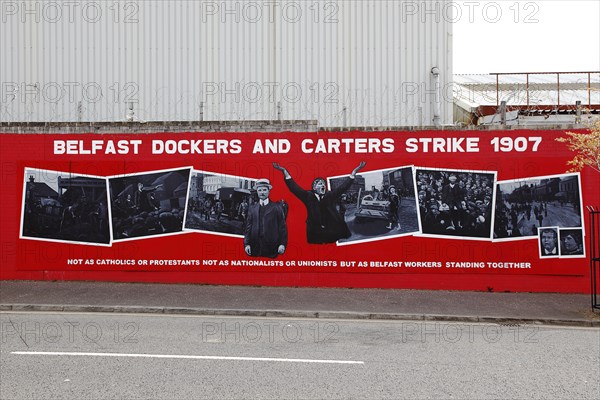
(470, 210)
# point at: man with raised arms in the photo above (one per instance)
(323, 223)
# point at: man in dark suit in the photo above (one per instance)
(394, 207)
(452, 195)
(324, 224)
(265, 230)
(142, 200)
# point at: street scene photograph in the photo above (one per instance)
(455, 203)
(378, 205)
(219, 203)
(525, 205)
(64, 206)
(148, 204)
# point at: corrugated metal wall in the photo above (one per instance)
(343, 63)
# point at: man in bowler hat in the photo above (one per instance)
(265, 230)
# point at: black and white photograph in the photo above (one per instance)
(455, 203)
(65, 207)
(523, 206)
(548, 242)
(378, 205)
(219, 203)
(148, 204)
(572, 243)
(265, 228)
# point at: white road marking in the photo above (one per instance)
(187, 357)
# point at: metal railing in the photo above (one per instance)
(558, 74)
(595, 255)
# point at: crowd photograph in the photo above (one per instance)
(455, 203)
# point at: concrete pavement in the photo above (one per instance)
(504, 308)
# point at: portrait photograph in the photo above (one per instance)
(548, 242)
(572, 243)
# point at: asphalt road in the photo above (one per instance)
(195, 220)
(557, 215)
(84, 356)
